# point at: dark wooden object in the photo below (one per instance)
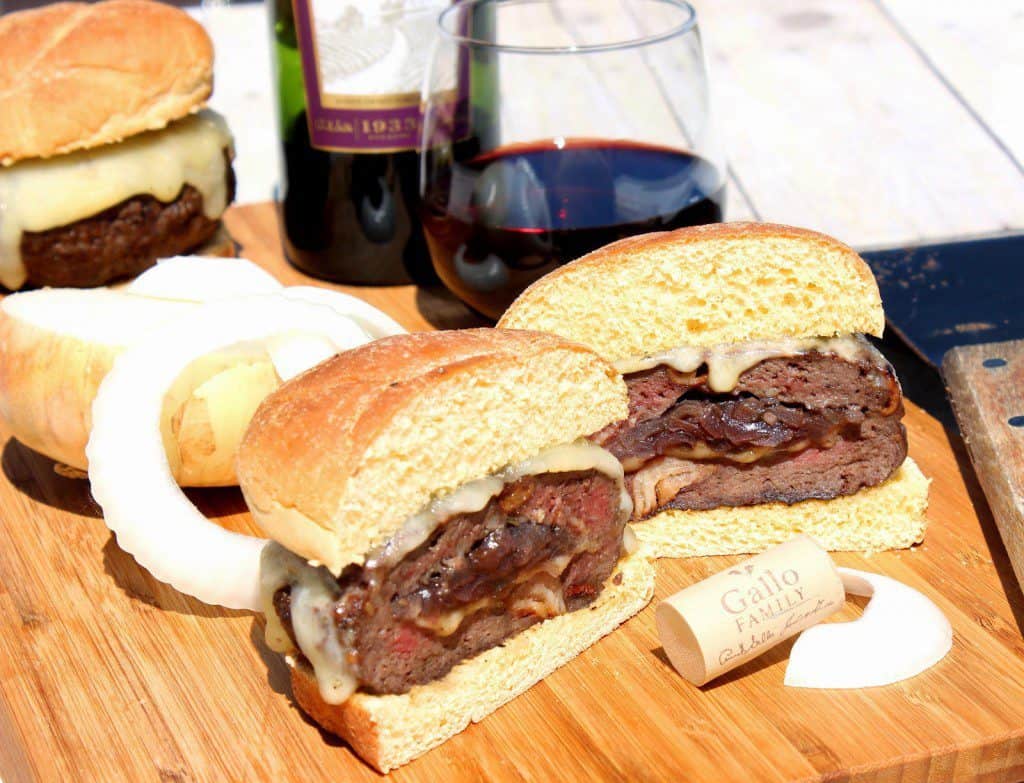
(986, 386)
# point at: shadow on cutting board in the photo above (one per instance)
(278, 674)
(37, 476)
(141, 587)
(443, 310)
(55, 485)
(769, 658)
(280, 681)
(218, 502)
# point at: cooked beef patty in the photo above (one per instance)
(545, 545)
(813, 425)
(120, 241)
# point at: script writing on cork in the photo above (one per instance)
(735, 615)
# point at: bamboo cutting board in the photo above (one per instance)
(107, 674)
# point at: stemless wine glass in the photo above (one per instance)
(553, 127)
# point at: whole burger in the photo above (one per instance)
(443, 538)
(108, 159)
(757, 408)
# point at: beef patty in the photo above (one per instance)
(120, 241)
(814, 425)
(544, 546)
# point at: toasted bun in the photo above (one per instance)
(76, 75)
(336, 460)
(388, 731)
(888, 516)
(723, 283)
(49, 377)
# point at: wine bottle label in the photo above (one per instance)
(363, 63)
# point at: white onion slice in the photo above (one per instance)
(374, 321)
(900, 634)
(131, 478)
(203, 279)
(294, 354)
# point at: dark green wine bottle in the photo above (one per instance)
(349, 109)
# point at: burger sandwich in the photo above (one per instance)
(438, 525)
(108, 159)
(757, 407)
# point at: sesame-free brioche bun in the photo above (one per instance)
(890, 515)
(335, 461)
(391, 730)
(76, 75)
(722, 283)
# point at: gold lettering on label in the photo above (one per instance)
(333, 126)
(394, 125)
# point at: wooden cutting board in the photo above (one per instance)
(107, 674)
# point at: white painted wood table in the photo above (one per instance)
(879, 121)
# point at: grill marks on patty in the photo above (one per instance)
(808, 426)
(545, 545)
(120, 241)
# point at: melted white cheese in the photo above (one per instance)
(37, 195)
(313, 589)
(726, 363)
(313, 593)
(701, 451)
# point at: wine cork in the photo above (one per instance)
(740, 613)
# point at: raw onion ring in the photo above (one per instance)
(202, 279)
(292, 355)
(900, 634)
(131, 478)
(374, 321)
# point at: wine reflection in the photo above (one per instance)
(501, 220)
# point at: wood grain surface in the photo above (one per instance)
(832, 119)
(986, 386)
(107, 674)
(976, 55)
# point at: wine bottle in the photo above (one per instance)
(348, 75)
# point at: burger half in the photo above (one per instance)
(757, 408)
(438, 525)
(107, 159)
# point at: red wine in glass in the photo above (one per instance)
(499, 221)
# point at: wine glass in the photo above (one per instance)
(553, 127)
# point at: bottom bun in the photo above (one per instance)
(887, 516)
(388, 731)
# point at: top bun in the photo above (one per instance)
(75, 76)
(337, 459)
(723, 283)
